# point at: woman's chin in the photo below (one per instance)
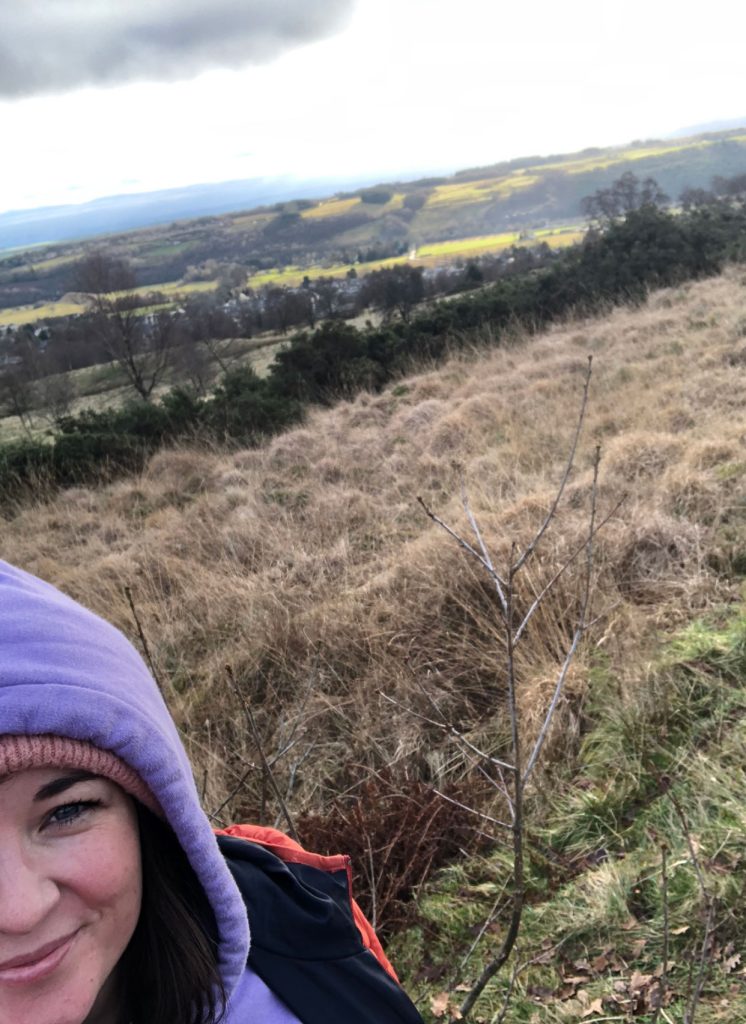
(65, 999)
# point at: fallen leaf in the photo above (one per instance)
(597, 1006)
(731, 963)
(638, 981)
(439, 1004)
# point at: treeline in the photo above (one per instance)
(647, 248)
(151, 341)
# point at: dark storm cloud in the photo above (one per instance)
(54, 45)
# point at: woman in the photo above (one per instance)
(118, 903)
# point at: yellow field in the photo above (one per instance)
(31, 314)
(50, 310)
(180, 288)
(469, 246)
(557, 238)
(292, 276)
(482, 189)
(338, 207)
(462, 192)
(331, 208)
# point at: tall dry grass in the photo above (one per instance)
(308, 567)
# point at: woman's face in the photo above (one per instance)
(70, 895)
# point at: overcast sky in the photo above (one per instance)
(99, 97)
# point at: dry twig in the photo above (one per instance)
(143, 639)
(267, 773)
(515, 772)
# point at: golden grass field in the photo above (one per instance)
(308, 566)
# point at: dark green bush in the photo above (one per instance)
(244, 408)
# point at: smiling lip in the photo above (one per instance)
(37, 965)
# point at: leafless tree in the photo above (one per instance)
(56, 393)
(511, 776)
(16, 394)
(141, 345)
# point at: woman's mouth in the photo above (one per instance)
(36, 965)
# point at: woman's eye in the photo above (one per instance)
(67, 814)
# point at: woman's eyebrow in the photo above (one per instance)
(57, 786)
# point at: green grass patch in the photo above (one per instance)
(592, 940)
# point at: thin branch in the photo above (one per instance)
(291, 779)
(500, 1015)
(485, 553)
(374, 909)
(266, 769)
(559, 687)
(518, 883)
(579, 632)
(236, 790)
(143, 641)
(566, 565)
(473, 810)
(450, 729)
(663, 984)
(566, 476)
(705, 958)
(456, 977)
(689, 842)
(460, 540)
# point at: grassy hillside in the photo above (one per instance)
(530, 194)
(309, 568)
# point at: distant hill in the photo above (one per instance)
(533, 198)
(128, 212)
(708, 126)
(528, 190)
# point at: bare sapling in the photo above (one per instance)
(269, 782)
(511, 775)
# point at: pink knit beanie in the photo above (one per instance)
(17, 753)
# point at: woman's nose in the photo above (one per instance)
(27, 892)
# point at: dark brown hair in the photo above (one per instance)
(170, 968)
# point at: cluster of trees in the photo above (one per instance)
(623, 196)
(647, 247)
(186, 344)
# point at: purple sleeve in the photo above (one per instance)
(253, 1001)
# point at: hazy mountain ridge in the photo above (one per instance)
(128, 212)
(363, 224)
(131, 211)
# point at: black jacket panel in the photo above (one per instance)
(305, 945)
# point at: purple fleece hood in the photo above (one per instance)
(65, 671)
